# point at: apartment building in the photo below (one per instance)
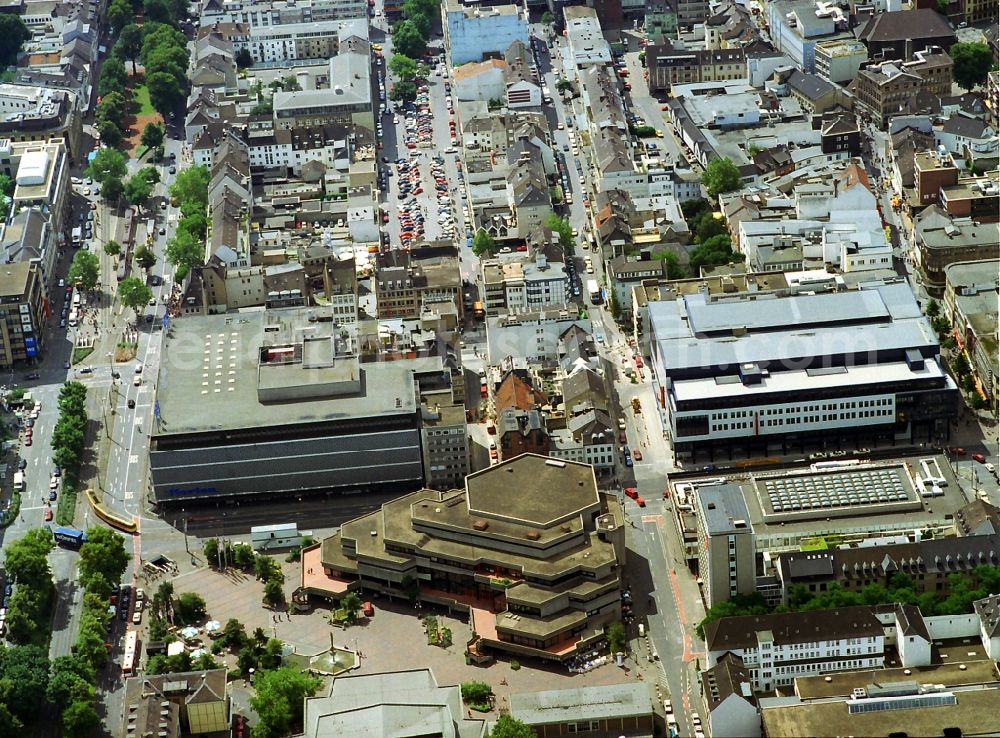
(42, 180)
(970, 302)
(778, 648)
(669, 65)
(24, 308)
(406, 282)
(585, 38)
(885, 90)
(840, 60)
(942, 239)
(347, 100)
(30, 113)
(269, 13)
(530, 545)
(726, 550)
(976, 197)
(928, 562)
(752, 372)
(524, 285)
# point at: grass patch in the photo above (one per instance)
(140, 96)
(66, 508)
(141, 151)
(80, 353)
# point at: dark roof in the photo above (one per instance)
(911, 621)
(728, 677)
(988, 610)
(792, 627)
(810, 86)
(961, 125)
(840, 124)
(904, 25)
(977, 517)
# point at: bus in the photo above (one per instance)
(594, 290)
(131, 654)
(69, 537)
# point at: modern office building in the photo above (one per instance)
(608, 710)
(780, 647)
(529, 547)
(24, 308)
(759, 372)
(848, 500)
(726, 551)
(345, 100)
(275, 403)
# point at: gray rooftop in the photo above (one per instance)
(213, 376)
(722, 506)
(612, 702)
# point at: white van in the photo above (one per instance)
(19, 481)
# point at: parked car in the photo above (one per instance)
(979, 457)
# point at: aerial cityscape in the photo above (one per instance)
(492, 369)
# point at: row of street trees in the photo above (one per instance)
(187, 248)
(241, 555)
(407, 71)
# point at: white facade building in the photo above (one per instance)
(778, 648)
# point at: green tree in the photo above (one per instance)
(408, 40)
(80, 719)
(672, 265)
(476, 692)
(120, 14)
(483, 243)
(411, 587)
(972, 63)
(708, 226)
(234, 635)
(113, 77)
(190, 608)
(403, 67)
(280, 700)
(112, 189)
(184, 251)
(547, 18)
(244, 58)
(25, 673)
(134, 294)
(403, 90)
(270, 656)
(563, 228)
(693, 208)
(932, 308)
(112, 107)
(720, 176)
(103, 554)
(157, 11)
(152, 135)
(138, 190)
(111, 135)
(129, 44)
(71, 677)
(165, 92)
(14, 33)
(107, 164)
(616, 637)
(351, 605)
(191, 188)
(714, 251)
(563, 84)
(27, 558)
(112, 248)
(85, 270)
(211, 551)
(508, 727)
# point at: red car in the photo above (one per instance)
(976, 457)
(632, 492)
(636, 454)
(957, 450)
(48, 514)
(27, 441)
(640, 502)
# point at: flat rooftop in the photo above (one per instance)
(840, 684)
(211, 374)
(870, 496)
(974, 713)
(533, 490)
